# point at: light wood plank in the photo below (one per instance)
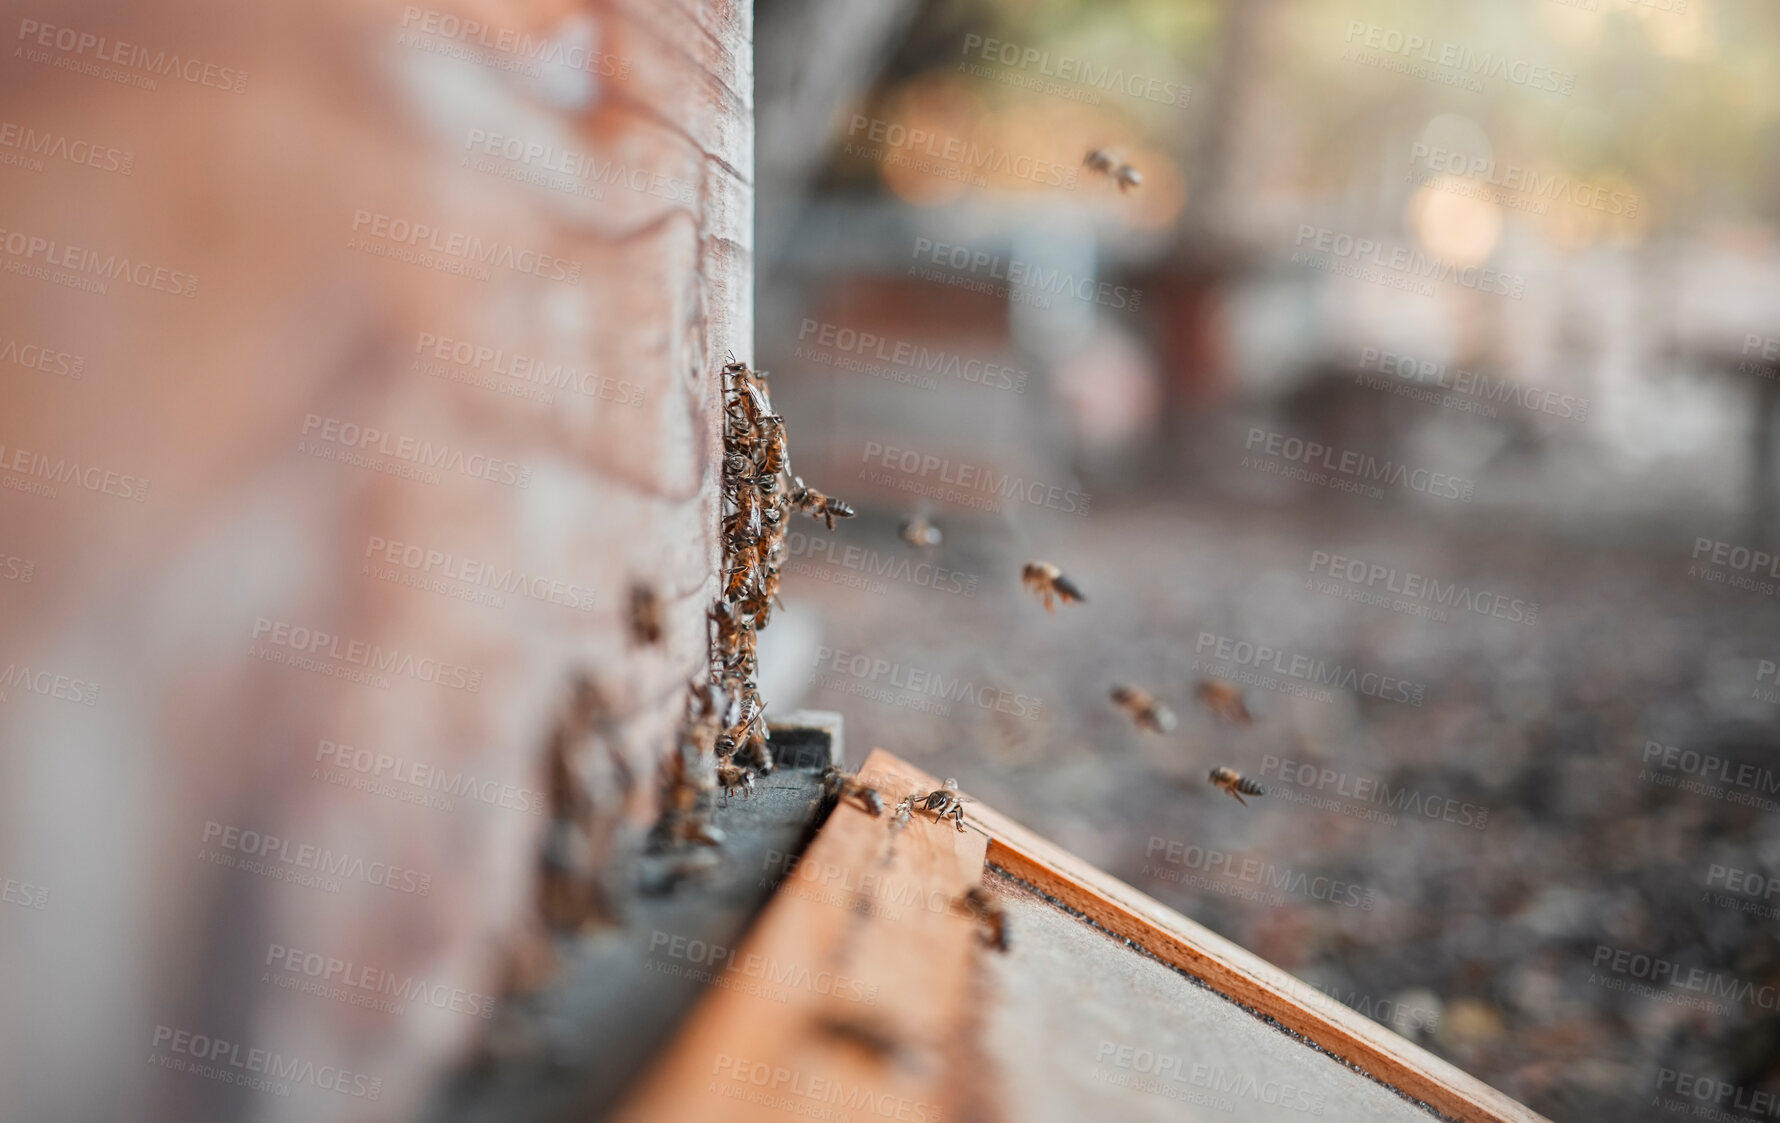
(861, 934)
(1226, 966)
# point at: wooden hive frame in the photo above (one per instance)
(912, 964)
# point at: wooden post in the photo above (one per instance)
(381, 362)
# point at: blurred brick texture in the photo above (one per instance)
(398, 218)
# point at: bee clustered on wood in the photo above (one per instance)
(756, 499)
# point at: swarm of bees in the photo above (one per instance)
(1050, 585)
(1103, 162)
(1144, 709)
(1236, 784)
(757, 500)
(726, 717)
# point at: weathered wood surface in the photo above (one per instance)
(860, 944)
(575, 1048)
(513, 240)
(1229, 968)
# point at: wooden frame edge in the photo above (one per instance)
(1228, 968)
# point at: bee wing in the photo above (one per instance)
(1068, 589)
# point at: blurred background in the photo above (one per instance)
(1398, 381)
(1421, 387)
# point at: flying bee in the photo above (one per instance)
(818, 506)
(982, 905)
(945, 803)
(918, 532)
(1236, 784)
(842, 785)
(1104, 161)
(899, 818)
(646, 625)
(1050, 584)
(1144, 709)
(733, 778)
(1225, 701)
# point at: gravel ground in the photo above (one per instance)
(1531, 848)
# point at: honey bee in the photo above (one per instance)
(743, 527)
(981, 904)
(899, 818)
(758, 605)
(818, 506)
(843, 785)
(772, 449)
(1225, 701)
(1105, 162)
(1236, 784)
(753, 401)
(918, 532)
(756, 749)
(945, 803)
(733, 778)
(1050, 584)
(742, 574)
(738, 717)
(734, 634)
(646, 626)
(1144, 709)
(767, 484)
